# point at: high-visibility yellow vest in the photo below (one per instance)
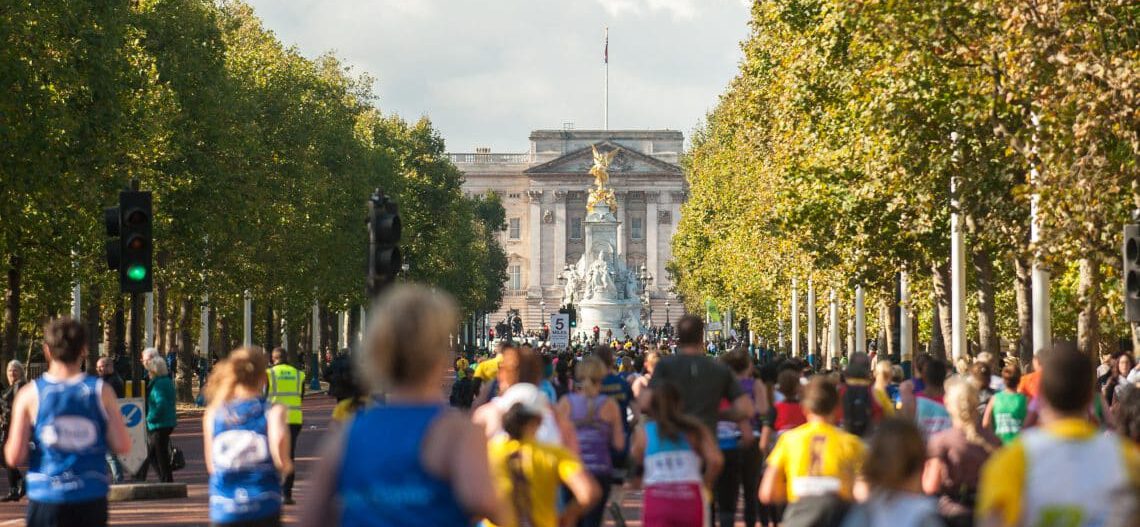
(285, 384)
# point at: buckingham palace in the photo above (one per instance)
(544, 192)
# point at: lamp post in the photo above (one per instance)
(542, 313)
(666, 311)
(404, 268)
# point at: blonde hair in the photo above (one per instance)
(590, 372)
(156, 367)
(244, 366)
(961, 400)
(408, 335)
(884, 370)
(651, 359)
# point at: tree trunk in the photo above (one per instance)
(353, 327)
(987, 306)
(292, 331)
(937, 339)
(12, 308)
(940, 278)
(184, 384)
(1088, 294)
(224, 337)
(1024, 290)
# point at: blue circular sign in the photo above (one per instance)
(132, 414)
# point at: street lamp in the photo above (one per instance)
(666, 311)
(541, 313)
(404, 268)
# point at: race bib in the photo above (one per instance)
(69, 433)
(238, 449)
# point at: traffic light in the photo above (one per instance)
(1132, 273)
(130, 251)
(384, 228)
(573, 312)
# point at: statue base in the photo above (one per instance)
(610, 315)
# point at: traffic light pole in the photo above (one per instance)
(136, 340)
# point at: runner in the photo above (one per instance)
(246, 443)
(678, 461)
(956, 456)
(1065, 472)
(1006, 412)
(884, 386)
(814, 467)
(894, 473)
(929, 411)
(598, 423)
(739, 444)
(435, 471)
(72, 419)
(528, 473)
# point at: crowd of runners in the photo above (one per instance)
(534, 438)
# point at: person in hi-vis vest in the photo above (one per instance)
(286, 387)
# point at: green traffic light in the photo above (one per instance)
(136, 273)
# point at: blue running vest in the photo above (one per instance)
(68, 464)
(245, 485)
(381, 482)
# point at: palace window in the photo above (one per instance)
(515, 229)
(636, 229)
(576, 228)
(513, 195)
(515, 280)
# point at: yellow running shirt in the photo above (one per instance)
(818, 459)
(528, 475)
(488, 369)
(1068, 473)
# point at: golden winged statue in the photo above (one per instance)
(600, 170)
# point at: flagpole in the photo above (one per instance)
(606, 108)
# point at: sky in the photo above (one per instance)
(487, 72)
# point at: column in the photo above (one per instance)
(957, 273)
(860, 321)
(676, 198)
(622, 205)
(148, 320)
(795, 318)
(833, 330)
(811, 347)
(651, 226)
(247, 319)
(534, 230)
(561, 223)
(905, 352)
(204, 328)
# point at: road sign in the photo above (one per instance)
(134, 416)
(560, 330)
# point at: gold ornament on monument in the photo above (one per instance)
(600, 193)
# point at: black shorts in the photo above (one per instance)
(271, 521)
(80, 514)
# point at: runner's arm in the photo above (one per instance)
(208, 439)
(710, 454)
(932, 476)
(19, 431)
(611, 413)
(471, 478)
(988, 415)
(566, 427)
(117, 438)
(586, 493)
(278, 431)
(637, 457)
(320, 508)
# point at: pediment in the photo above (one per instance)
(627, 162)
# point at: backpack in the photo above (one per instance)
(857, 410)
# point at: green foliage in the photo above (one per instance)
(260, 161)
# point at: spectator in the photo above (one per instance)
(106, 371)
(161, 418)
(1080, 475)
(16, 380)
